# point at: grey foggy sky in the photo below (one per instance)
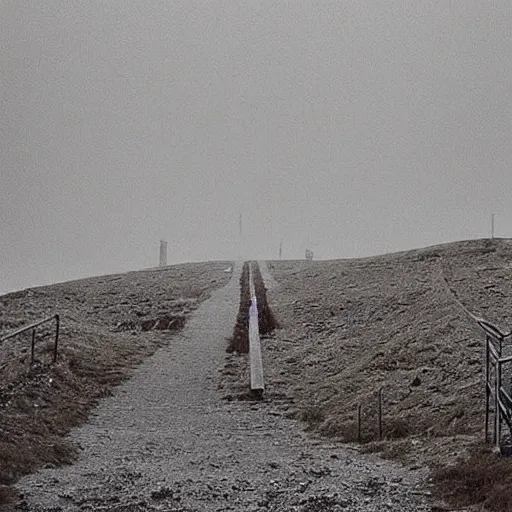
(349, 127)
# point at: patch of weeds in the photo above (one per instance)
(393, 429)
(266, 319)
(313, 416)
(373, 447)
(483, 478)
(242, 397)
(396, 450)
(162, 494)
(346, 431)
(389, 449)
(239, 341)
(7, 495)
(397, 428)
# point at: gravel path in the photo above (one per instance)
(167, 441)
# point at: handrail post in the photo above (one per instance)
(32, 327)
(32, 347)
(380, 414)
(57, 330)
(498, 404)
(487, 390)
(359, 414)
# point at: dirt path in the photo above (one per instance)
(167, 441)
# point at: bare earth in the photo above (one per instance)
(167, 440)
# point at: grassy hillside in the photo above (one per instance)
(109, 324)
(353, 327)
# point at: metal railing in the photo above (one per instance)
(33, 327)
(498, 399)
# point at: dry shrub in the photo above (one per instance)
(393, 428)
(266, 319)
(346, 431)
(483, 478)
(239, 342)
(397, 428)
(396, 449)
(7, 495)
(313, 416)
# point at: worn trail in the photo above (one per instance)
(166, 440)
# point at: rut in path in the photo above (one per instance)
(167, 441)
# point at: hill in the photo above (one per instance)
(353, 327)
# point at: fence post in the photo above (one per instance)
(498, 408)
(380, 414)
(57, 331)
(359, 407)
(32, 347)
(487, 389)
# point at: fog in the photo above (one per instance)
(350, 128)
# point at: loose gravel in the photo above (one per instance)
(167, 441)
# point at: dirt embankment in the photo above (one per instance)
(353, 327)
(239, 341)
(109, 325)
(267, 322)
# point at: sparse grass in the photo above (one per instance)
(346, 431)
(483, 478)
(313, 416)
(7, 495)
(397, 428)
(373, 447)
(397, 449)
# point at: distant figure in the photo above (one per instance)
(309, 255)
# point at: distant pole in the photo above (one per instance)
(240, 239)
(281, 250)
(492, 225)
(163, 253)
